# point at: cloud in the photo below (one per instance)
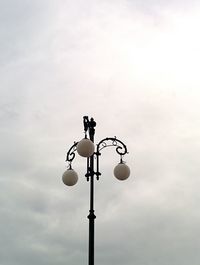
(131, 65)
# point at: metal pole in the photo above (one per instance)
(91, 215)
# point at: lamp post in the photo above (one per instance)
(86, 148)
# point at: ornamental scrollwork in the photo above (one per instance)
(71, 153)
(121, 148)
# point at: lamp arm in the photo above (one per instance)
(121, 149)
(71, 153)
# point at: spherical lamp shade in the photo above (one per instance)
(85, 147)
(121, 171)
(70, 177)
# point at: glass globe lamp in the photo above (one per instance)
(70, 177)
(121, 171)
(85, 147)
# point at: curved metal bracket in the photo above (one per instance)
(121, 149)
(71, 153)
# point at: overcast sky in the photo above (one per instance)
(134, 67)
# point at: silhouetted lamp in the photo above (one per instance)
(122, 171)
(86, 148)
(70, 177)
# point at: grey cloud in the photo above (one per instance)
(74, 59)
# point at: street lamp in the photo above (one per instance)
(86, 148)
